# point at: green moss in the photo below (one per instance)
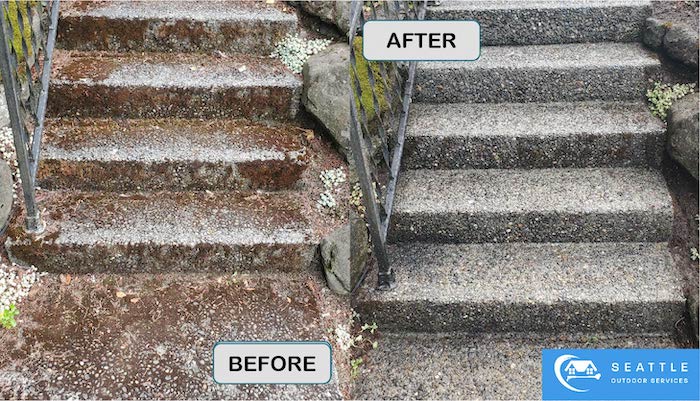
(15, 8)
(363, 77)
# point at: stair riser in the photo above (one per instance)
(532, 227)
(497, 85)
(69, 100)
(157, 258)
(88, 33)
(618, 150)
(168, 175)
(520, 26)
(556, 317)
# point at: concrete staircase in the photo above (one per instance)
(172, 159)
(155, 146)
(530, 212)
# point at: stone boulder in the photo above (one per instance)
(682, 131)
(681, 43)
(326, 92)
(344, 255)
(5, 194)
(332, 12)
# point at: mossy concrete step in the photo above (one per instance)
(532, 135)
(541, 73)
(549, 22)
(170, 154)
(179, 26)
(556, 288)
(83, 340)
(186, 85)
(548, 205)
(450, 366)
(167, 232)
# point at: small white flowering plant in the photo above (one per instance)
(331, 179)
(293, 50)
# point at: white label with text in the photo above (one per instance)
(421, 40)
(272, 363)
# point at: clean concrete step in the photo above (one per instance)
(549, 205)
(449, 366)
(166, 232)
(560, 288)
(541, 73)
(532, 135)
(549, 22)
(187, 85)
(180, 26)
(170, 154)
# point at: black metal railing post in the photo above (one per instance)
(377, 141)
(28, 35)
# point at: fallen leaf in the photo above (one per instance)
(134, 300)
(242, 68)
(120, 294)
(66, 278)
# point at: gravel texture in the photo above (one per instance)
(550, 205)
(169, 231)
(170, 154)
(543, 73)
(549, 22)
(94, 84)
(532, 135)
(488, 367)
(563, 288)
(151, 336)
(182, 26)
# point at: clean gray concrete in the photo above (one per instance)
(458, 366)
(562, 288)
(532, 135)
(543, 73)
(549, 205)
(548, 22)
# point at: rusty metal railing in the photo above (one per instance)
(28, 35)
(379, 104)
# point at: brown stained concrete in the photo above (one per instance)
(151, 336)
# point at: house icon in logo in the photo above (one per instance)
(581, 369)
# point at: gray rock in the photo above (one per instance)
(332, 12)
(325, 95)
(4, 115)
(682, 141)
(654, 32)
(344, 254)
(693, 310)
(5, 194)
(681, 43)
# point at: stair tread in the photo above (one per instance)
(170, 70)
(221, 10)
(173, 218)
(159, 140)
(476, 367)
(587, 190)
(532, 273)
(530, 119)
(536, 4)
(554, 56)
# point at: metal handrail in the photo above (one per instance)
(378, 165)
(28, 35)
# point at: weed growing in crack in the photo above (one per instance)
(15, 283)
(7, 317)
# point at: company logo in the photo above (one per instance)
(620, 374)
(574, 368)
